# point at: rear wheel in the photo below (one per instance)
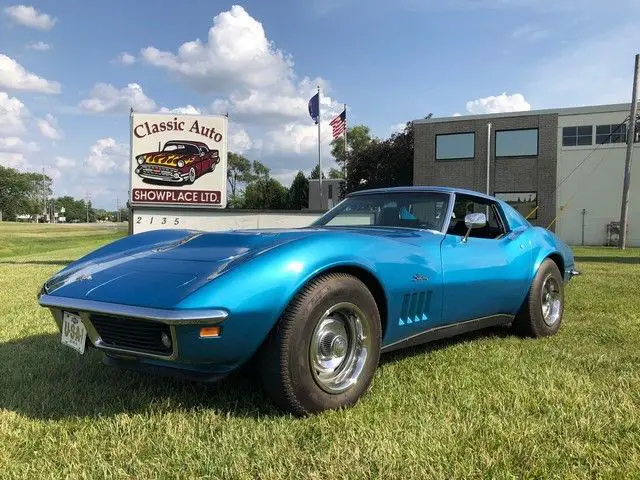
(324, 350)
(542, 311)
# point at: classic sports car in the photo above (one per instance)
(178, 162)
(384, 269)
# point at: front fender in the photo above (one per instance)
(257, 292)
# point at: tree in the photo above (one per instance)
(74, 210)
(382, 163)
(21, 193)
(238, 170)
(335, 173)
(298, 195)
(358, 138)
(315, 173)
(265, 194)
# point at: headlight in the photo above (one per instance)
(140, 160)
(180, 163)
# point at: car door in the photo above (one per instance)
(488, 274)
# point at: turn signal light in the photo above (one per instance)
(209, 332)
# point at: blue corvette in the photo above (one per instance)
(316, 306)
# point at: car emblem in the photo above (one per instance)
(418, 277)
(84, 277)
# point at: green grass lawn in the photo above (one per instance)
(487, 405)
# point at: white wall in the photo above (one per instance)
(146, 219)
(596, 188)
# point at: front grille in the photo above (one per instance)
(132, 334)
(158, 171)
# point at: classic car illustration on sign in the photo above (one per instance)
(315, 306)
(178, 162)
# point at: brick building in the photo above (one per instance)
(530, 158)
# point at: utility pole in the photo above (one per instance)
(488, 158)
(88, 198)
(627, 164)
(44, 195)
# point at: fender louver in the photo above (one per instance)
(415, 308)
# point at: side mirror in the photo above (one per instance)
(474, 220)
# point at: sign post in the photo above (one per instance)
(177, 161)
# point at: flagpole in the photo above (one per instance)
(319, 158)
(344, 165)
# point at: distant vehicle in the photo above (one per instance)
(384, 269)
(179, 162)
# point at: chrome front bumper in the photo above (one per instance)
(171, 318)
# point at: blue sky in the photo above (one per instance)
(70, 70)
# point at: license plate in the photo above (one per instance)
(74, 333)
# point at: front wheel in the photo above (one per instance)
(324, 350)
(542, 311)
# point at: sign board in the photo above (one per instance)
(178, 160)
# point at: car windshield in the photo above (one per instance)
(425, 210)
(181, 148)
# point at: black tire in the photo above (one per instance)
(531, 320)
(286, 356)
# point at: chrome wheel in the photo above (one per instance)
(340, 344)
(551, 301)
(192, 175)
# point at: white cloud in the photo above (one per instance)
(236, 55)
(498, 104)
(239, 140)
(48, 127)
(16, 144)
(14, 76)
(186, 110)
(107, 156)
(12, 115)
(286, 176)
(30, 17)
(64, 162)
(598, 70)
(126, 58)
(39, 46)
(12, 160)
(530, 33)
(397, 128)
(105, 98)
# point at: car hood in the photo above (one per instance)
(162, 274)
(167, 159)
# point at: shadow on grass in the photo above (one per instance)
(605, 259)
(36, 262)
(46, 380)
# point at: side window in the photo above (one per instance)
(465, 205)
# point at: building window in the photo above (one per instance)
(576, 136)
(456, 146)
(330, 196)
(517, 143)
(523, 202)
(611, 134)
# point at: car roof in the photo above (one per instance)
(425, 188)
(188, 142)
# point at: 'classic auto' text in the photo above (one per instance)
(146, 128)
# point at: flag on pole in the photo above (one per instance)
(339, 124)
(314, 107)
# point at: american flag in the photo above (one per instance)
(339, 124)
